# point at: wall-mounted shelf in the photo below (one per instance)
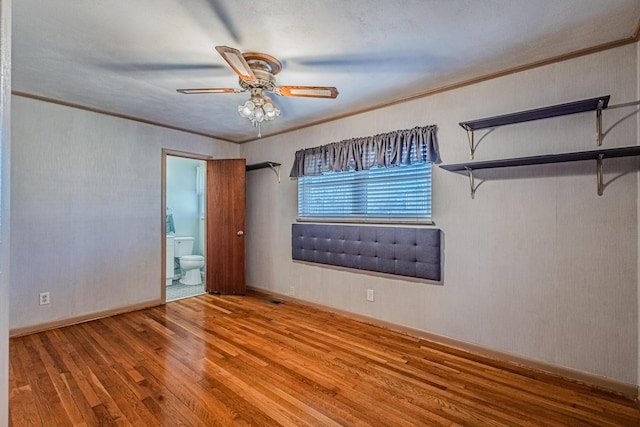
(262, 165)
(597, 155)
(592, 104)
(275, 167)
(547, 158)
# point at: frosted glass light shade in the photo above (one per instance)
(258, 109)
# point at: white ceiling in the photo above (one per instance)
(128, 57)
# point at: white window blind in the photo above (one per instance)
(401, 192)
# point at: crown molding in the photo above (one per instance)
(112, 114)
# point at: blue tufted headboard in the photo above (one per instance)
(413, 252)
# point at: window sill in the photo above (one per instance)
(424, 221)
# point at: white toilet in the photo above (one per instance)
(190, 264)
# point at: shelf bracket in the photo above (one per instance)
(472, 146)
(472, 182)
(275, 167)
(600, 174)
(599, 122)
(276, 170)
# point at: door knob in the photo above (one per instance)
(240, 233)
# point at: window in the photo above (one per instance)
(398, 194)
(379, 178)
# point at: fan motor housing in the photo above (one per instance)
(264, 67)
(263, 61)
(264, 79)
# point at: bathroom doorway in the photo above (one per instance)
(184, 266)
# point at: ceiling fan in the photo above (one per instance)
(257, 75)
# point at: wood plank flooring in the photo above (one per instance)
(232, 360)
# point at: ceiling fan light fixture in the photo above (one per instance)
(270, 112)
(246, 109)
(258, 114)
(258, 109)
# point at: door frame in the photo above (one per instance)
(163, 211)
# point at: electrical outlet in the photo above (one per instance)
(369, 294)
(44, 298)
(292, 290)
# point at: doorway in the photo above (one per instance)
(185, 210)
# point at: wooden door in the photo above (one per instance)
(225, 222)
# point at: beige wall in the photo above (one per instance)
(86, 210)
(5, 175)
(537, 265)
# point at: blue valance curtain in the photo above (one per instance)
(401, 147)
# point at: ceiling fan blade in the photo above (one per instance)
(209, 90)
(235, 59)
(307, 91)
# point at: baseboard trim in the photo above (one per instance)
(28, 330)
(631, 391)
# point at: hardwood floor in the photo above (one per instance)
(232, 360)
